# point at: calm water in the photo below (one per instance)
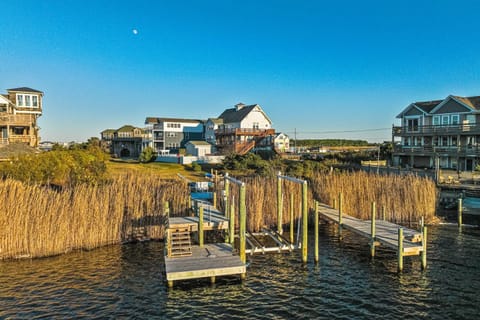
(120, 282)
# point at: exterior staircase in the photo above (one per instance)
(179, 242)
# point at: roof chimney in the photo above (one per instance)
(239, 106)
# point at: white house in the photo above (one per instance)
(198, 148)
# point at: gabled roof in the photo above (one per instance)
(153, 120)
(4, 99)
(126, 128)
(235, 114)
(428, 107)
(410, 106)
(216, 120)
(473, 102)
(108, 131)
(199, 143)
(24, 89)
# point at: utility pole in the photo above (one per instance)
(295, 140)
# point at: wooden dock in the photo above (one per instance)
(184, 261)
(406, 242)
(210, 261)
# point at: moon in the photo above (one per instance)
(135, 31)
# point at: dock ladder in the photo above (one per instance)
(179, 244)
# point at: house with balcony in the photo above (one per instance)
(169, 135)
(443, 133)
(125, 142)
(19, 110)
(241, 128)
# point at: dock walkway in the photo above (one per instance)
(385, 233)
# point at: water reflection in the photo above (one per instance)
(127, 282)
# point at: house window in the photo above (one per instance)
(436, 120)
(412, 125)
(256, 125)
(171, 134)
(27, 101)
(454, 141)
(455, 119)
(20, 100)
(445, 120)
(444, 141)
(35, 101)
(435, 141)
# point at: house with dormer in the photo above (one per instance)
(440, 132)
(241, 128)
(19, 110)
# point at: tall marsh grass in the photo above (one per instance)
(37, 221)
(406, 198)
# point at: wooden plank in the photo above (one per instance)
(386, 232)
(210, 261)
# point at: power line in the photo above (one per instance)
(342, 131)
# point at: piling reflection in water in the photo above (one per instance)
(127, 282)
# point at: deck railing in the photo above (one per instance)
(244, 131)
(436, 130)
(460, 150)
(16, 119)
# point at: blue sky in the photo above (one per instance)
(329, 69)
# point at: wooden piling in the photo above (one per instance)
(424, 245)
(316, 231)
(384, 213)
(460, 212)
(226, 205)
(231, 223)
(305, 222)
(372, 231)
(279, 204)
(334, 204)
(166, 209)
(400, 249)
(340, 204)
(200, 227)
(214, 199)
(243, 223)
(292, 219)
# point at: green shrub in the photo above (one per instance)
(147, 155)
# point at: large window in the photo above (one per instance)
(436, 120)
(455, 119)
(445, 120)
(412, 124)
(27, 100)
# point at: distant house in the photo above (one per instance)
(198, 148)
(446, 131)
(19, 110)
(242, 128)
(281, 142)
(106, 138)
(171, 134)
(125, 142)
(211, 125)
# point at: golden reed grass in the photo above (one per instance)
(406, 198)
(36, 221)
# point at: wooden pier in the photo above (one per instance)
(183, 260)
(406, 242)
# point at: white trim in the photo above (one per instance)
(31, 112)
(411, 105)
